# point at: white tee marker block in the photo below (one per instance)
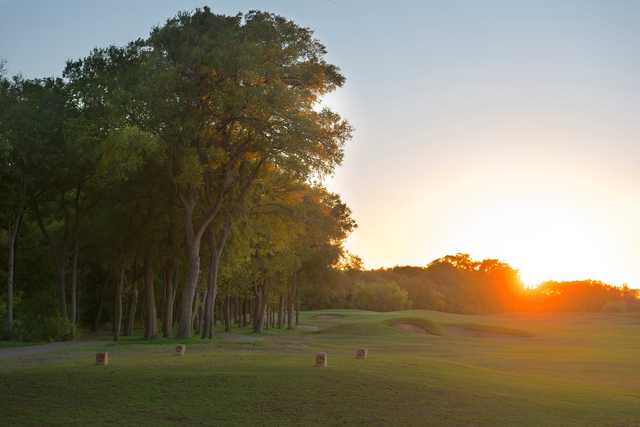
(102, 359)
(322, 360)
(362, 353)
(181, 349)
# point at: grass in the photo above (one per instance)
(491, 330)
(571, 370)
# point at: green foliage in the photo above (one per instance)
(211, 123)
(126, 152)
(41, 327)
(378, 296)
(453, 283)
(3, 307)
(36, 314)
(459, 284)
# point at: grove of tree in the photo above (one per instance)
(171, 181)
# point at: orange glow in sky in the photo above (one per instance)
(551, 210)
(549, 226)
(502, 129)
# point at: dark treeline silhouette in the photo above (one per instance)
(459, 284)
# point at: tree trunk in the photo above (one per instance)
(212, 290)
(227, 313)
(268, 319)
(259, 313)
(273, 316)
(201, 312)
(62, 281)
(217, 313)
(212, 279)
(169, 301)
(185, 329)
(74, 288)
(234, 312)
(243, 317)
(98, 318)
(150, 328)
(290, 301)
(117, 309)
(78, 296)
(13, 239)
(296, 298)
(281, 312)
(131, 316)
(194, 311)
(192, 244)
(264, 321)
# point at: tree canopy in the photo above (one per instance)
(200, 148)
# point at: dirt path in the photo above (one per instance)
(237, 338)
(17, 352)
(31, 350)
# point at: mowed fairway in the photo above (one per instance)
(515, 370)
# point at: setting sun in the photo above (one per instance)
(548, 218)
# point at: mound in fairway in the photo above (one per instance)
(573, 370)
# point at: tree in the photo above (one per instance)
(108, 89)
(208, 130)
(238, 93)
(12, 182)
(31, 128)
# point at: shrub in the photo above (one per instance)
(44, 328)
(379, 296)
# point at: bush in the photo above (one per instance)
(44, 328)
(379, 296)
(3, 309)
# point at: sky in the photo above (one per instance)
(502, 129)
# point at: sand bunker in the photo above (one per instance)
(415, 325)
(407, 327)
(427, 327)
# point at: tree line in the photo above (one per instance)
(459, 284)
(174, 181)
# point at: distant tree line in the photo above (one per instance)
(459, 284)
(582, 295)
(173, 183)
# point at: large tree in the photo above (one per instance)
(238, 93)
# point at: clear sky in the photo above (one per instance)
(506, 129)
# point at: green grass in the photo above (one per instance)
(566, 370)
(491, 330)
